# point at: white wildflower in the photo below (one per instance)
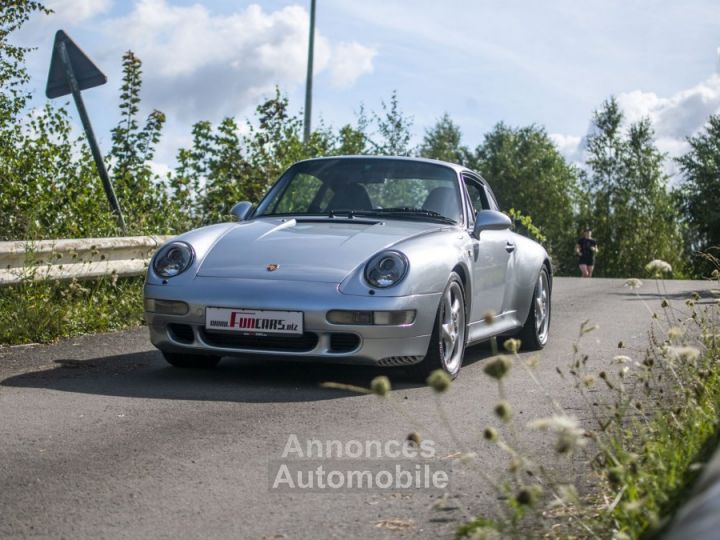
(675, 333)
(685, 354)
(633, 283)
(658, 266)
(570, 434)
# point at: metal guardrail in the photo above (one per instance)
(79, 258)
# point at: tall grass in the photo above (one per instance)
(43, 311)
(653, 422)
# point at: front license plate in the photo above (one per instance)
(254, 321)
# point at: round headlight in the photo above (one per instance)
(386, 269)
(174, 259)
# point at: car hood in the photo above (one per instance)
(319, 250)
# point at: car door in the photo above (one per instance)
(491, 255)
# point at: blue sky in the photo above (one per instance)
(550, 63)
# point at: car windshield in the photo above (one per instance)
(394, 188)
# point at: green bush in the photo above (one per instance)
(42, 311)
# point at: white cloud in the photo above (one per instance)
(678, 116)
(568, 145)
(160, 169)
(674, 118)
(350, 61)
(75, 11)
(197, 64)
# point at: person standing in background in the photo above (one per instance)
(585, 249)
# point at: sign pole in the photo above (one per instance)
(97, 156)
(309, 81)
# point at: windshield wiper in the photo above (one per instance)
(406, 212)
(401, 212)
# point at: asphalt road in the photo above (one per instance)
(100, 439)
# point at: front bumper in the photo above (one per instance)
(372, 345)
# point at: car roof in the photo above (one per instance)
(454, 166)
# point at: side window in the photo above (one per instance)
(492, 200)
(478, 197)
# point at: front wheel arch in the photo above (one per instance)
(464, 274)
(433, 359)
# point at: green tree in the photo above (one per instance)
(46, 182)
(699, 194)
(393, 127)
(13, 75)
(139, 190)
(625, 199)
(527, 173)
(443, 141)
(49, 187)
(353, 140)
(225, 164)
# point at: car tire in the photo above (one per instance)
(450, 330)
(535, 331)
(196, 361)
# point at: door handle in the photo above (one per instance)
(509, 247)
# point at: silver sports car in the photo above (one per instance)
(367, 260)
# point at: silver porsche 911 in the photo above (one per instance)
(366, 260)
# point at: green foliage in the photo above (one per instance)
(699, 194)
(139, 191)
(226, 165)
(44, 182)
(352, 140)
(393, 130)
(625, 199)
(49, 187)
(443, 141)
(528, 174)
(661, 433)
(13, 75)
(651, 420)
(43, 311)
(481, 528)
(48, 183)
(525, 224)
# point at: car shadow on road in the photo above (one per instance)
(146, 375)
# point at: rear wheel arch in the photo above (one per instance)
(535, 330)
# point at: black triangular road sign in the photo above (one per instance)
(87, 74)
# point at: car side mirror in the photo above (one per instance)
(490, 220)
(241, 210)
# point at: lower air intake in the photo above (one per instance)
(182, 333)
(303, 343)
(344, 343)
